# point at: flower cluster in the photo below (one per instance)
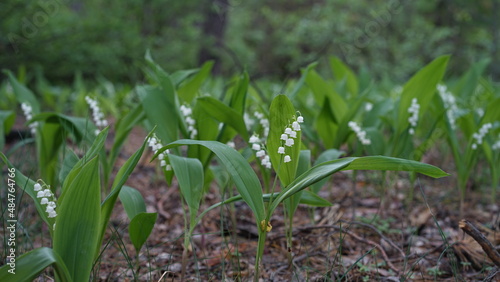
(187, 112)
(480, 135)
(360, 133)
(450, 104)
(47, 198)
(413, 119)
(258, 146)
(264, 122)
(97, 115)
(155, 144)
(28, 113)
(288, 137)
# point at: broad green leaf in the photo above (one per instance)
(29, 265)
(189, 173)
(323, 170)
(322, 89)
(239, 94)
(224, 114)
(344, 73)
(421, 86)
(281, 116)
(208, 129)
(325, 125)
(188, 91)
(181, 75)
(23, 94)
(132, 201)
(79, 128)
(243, 176)
(161, 110)
(140, 228)
(77, 224)
(121, 177)
(51, 136)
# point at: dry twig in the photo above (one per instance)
(488, 248)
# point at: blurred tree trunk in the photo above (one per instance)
(213, 28)
(495, 52)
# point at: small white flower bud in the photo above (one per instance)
(281, 150)
(300, 119)
(287, 159)
(284, 137)
(256, 147)
(44, 201)
(260, 153)
(254, 139)
(37, 187)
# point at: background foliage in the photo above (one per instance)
(268, 38)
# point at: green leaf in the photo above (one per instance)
(325, 125)
(421, 86)
(239, 94)
(323, 170)
(243, 176)
(189, 173)
(188, 91)
(322, 89)
(140, 228)
(29, 265)
(224, 114)
(160, 109)
(77, 223)
(23, 94)
(132, 201)
(344, 73)
(281, 116)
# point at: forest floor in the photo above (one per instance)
(380, 227)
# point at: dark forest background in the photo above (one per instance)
(271, 39)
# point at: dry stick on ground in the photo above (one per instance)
(488, 248)
(358, 238)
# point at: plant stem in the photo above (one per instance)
(260, 253)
